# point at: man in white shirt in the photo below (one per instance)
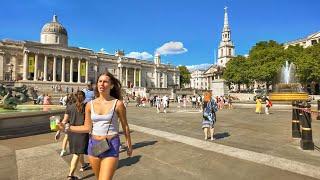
(165, 100)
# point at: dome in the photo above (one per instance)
(54, 27)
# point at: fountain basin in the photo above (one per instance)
(28, 120)
(287, 96)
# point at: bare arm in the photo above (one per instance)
(86, 128)
(122, 114)
(65, 119)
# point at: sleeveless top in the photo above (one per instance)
(101, 123)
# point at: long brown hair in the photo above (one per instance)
(115, 91)
(80, 96)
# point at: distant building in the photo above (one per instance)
(198, 80)
(306, 41)
(226, 49)
(51, 61)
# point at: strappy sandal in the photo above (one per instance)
(84, 167)
(72, 177)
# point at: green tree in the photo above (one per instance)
(185, 75)
(266, 59)
(308, 64)
(237, 71)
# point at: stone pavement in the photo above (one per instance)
(170, 146)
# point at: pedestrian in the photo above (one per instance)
(78, 142)
(268, 105)
(89, 93)
(258, 105)
(158, 103)
(194, 101)
(101, 119)
(230, 102)
(47, 100)
(165, 100)
(210, 108)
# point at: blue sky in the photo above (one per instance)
(192, 26)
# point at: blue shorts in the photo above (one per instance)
(114, 144)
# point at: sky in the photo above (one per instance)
(184, 32)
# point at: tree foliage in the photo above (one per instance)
(185, 75)
(237, 71)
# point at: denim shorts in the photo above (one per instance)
(114, 144)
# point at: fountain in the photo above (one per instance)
(20, 118)
(288, 88)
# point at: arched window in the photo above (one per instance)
(57, 38)
(230, 51)
(221, 52)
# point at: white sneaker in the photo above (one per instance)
(63, 153)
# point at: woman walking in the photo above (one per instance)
(210, 108)
(78, 142)
(101, 119)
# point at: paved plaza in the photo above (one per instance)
(171, 146)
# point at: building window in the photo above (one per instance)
(57, 39)
(230, 52)
(8, 60)
(221, 52)
(313, 42)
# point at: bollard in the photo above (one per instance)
(306, 142)
(318, 117)
(295, 121)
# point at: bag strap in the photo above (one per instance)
(114, 107)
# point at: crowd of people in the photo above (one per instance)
(91, 121)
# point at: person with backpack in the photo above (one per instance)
(210, 108)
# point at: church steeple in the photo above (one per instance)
(226, 47)
(226, 21)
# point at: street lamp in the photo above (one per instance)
(11, 71)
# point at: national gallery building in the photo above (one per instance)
(51, 61)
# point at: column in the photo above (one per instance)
(25, 66)
(54, 73)
(63, 71)
(35, 77)
(126, 83)
(96, 72)
(134, 77)
(165, 80)
(45, 68)
(87, 71)
(174, 79)
(71, 70)
(79, 68)
(155, 79)
(139, 77)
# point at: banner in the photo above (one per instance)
(83, 69)
(31, 64)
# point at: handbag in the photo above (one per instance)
(102, 145)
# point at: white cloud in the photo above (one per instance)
(171, 47)
(139, 55)
(195, 67)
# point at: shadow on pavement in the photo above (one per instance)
(129, 161)
(221, 135)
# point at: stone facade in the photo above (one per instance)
(305, 42)
(51, 61)
(198, 80)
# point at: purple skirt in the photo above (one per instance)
(114, 144)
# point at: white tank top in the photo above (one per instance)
(101, 123)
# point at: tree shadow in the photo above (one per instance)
(221, 135)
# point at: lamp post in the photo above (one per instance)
(11, 71)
